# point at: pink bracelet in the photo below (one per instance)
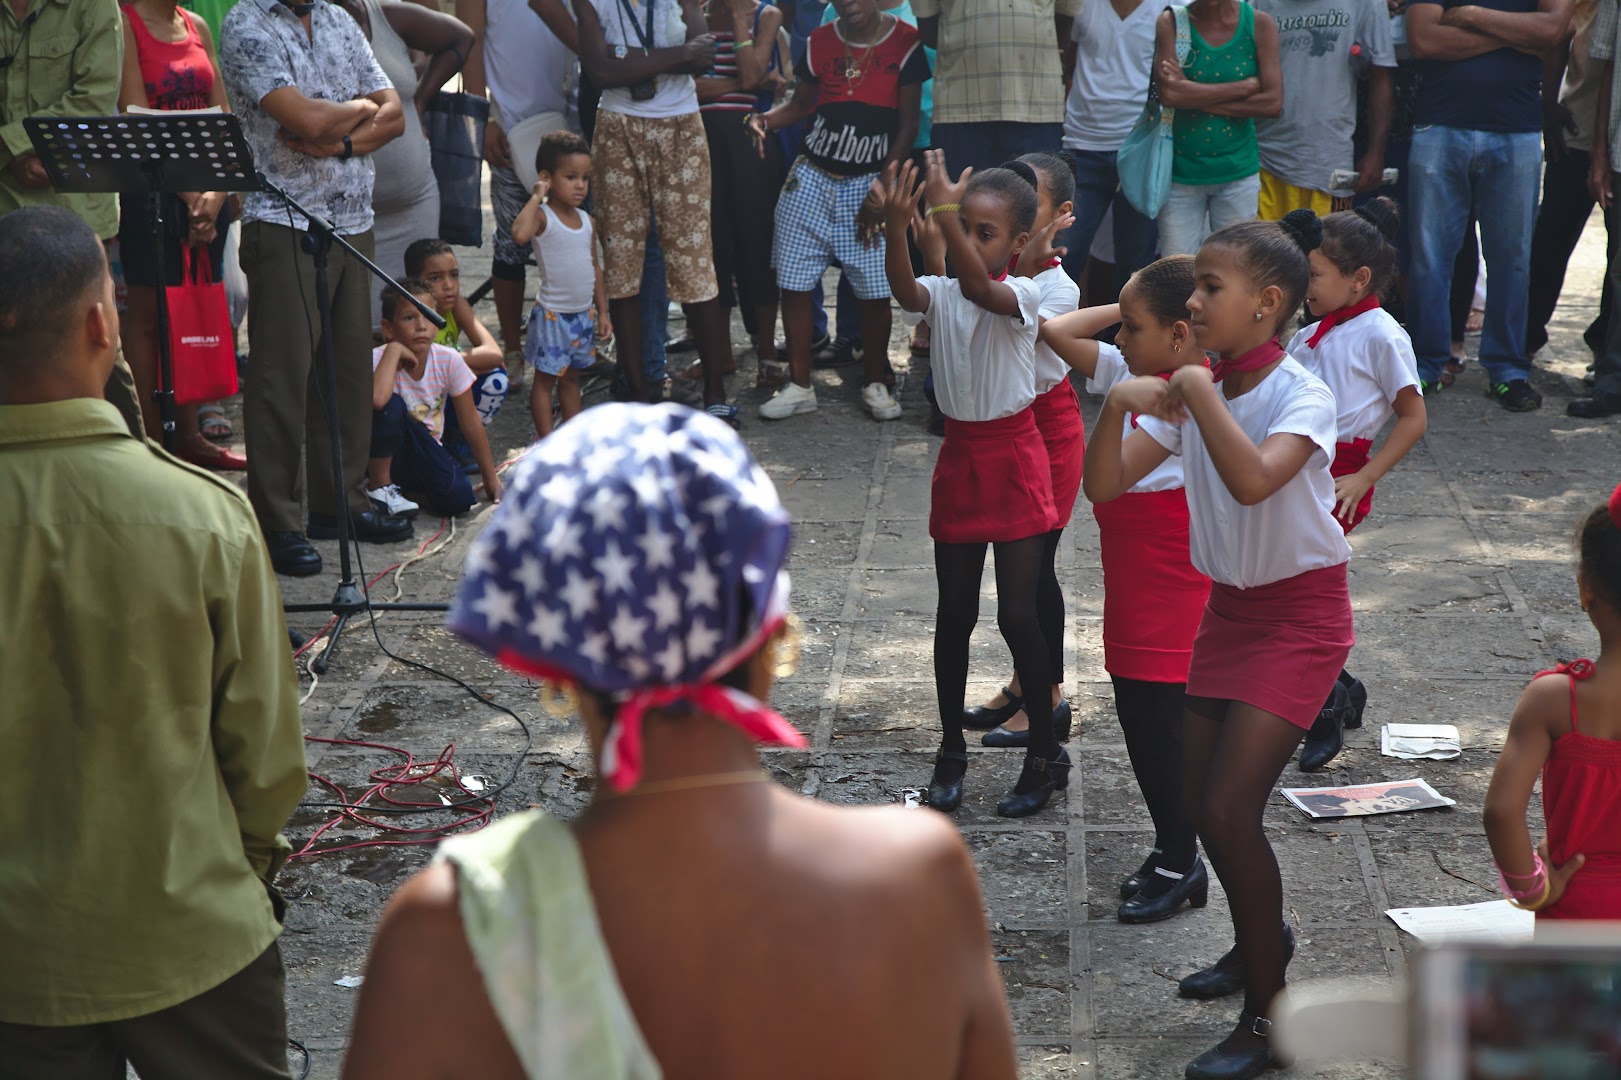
(1538, 876)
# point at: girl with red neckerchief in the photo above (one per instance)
(1256, 434)
(1367, 360)
(1568, 732)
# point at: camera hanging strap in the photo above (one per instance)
(646, 36)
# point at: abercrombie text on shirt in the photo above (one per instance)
(857, 109)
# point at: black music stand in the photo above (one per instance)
(146, 154)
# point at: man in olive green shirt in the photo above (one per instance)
(150, 702)
(66, 59)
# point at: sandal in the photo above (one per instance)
(773, 375)
(211, 420)
(726, 414)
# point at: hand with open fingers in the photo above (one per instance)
(939, 188)
(931, 242)
(899, 186)
(1558, 876)
(1144, 396)
(1348, 494)
(1040, 252)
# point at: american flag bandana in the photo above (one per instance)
(637, 551)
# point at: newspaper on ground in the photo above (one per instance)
(1421, 742)
(1389, 798)
(1494, 920)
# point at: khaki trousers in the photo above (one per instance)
(236, 1030)
(284, 407)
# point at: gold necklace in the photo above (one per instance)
(855, 74)
(702, 780)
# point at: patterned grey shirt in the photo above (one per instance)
(263, 48)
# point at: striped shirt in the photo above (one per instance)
(725, 67)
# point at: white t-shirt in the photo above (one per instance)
(677, 94)
(1113, 59)
(1059, 296)
(528, 70)
(984, 364)
(1112, 369)
(444, 376)
(1293, 530)
(1365, 362)
(568, 280)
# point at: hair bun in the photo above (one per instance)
(1304, 228)
(1024, 171)
(1067, 156)
(1384, 215)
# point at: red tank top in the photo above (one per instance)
(1581, 801)
(177, 74)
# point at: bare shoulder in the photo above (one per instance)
(424, 907)
(900, 841)
(1544, 704)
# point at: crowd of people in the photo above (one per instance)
(724, 156)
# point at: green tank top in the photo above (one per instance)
(1217, 149)
(451, 335)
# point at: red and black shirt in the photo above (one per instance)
(858, 107)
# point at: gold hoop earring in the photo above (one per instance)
(786, 647)
(560, 700)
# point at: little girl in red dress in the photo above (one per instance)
(1568, 730)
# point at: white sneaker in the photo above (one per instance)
(880, 402)
(791, 399)
(389, 500)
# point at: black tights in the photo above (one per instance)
(1151, 718)
(1233, 754)
(1049, 609)
(958, 568)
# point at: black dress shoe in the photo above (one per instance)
(840, 352)
(682, 344)
(1218, 1064)
(1001, 736)
(946, 795)
(988, 716)
(1134, 884)
(1359, 698)
(292, 555)
(1226, 976)
(1595, 407)
(1327, 735)
(1037, 781)
(1194, 887)
(372, 526)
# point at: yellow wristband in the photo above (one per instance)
(1541, 901)
(745, 43)
(942, 208)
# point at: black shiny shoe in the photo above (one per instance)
(1327, 735)
(370, 526)
(1218, 1064)
(1037, 781)
(1359, 698)
(1194, 887)
(291, 554)
(946, 796)
(981, 717)
(1063, 718)
(1134, 884)
(1226, 976)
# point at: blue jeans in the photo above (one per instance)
(420, 464)
(1496, 175)
(655, 309)
(1193, 211)
(1097, 187)
(987, 144)
(489, 394)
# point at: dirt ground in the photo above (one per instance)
(1463, 587)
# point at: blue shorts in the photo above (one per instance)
(556, 343)
(816, 228)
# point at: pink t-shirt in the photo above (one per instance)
(445, 375)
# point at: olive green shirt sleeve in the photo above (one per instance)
(258, 736)
(72, 64)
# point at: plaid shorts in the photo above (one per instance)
(557, 342)
(816, 228)
(507, 198)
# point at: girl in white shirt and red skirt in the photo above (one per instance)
(992, 481)
(1256, 435)
(1367, 360)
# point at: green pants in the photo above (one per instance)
(237, 1030)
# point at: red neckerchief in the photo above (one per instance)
(1342, 315)
(1003, 275)
(1268, 352)
(1013, 264)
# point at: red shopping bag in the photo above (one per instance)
(202, 344)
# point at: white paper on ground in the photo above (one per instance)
(1420, 742)
(1391, 797)
(349, 981)
(1494, 920)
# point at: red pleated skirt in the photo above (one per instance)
(1153, 598)
(1278, 647)
(1349, 457)
(1058, 417)
(992, 482)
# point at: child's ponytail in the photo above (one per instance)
(1362, 237)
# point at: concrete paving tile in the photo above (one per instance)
(1034, 965)
(1022, 878)
(1561, 493)
(1483, 644)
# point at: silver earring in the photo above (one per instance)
(1257, 316)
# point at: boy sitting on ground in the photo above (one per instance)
(435, 262)
(412, 378)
